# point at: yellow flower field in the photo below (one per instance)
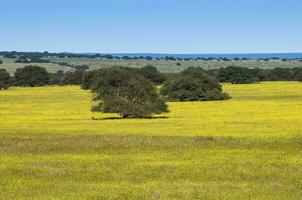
(249, 147)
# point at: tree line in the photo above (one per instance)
(133, 92)
(36, 57)
(38, 76)
(242, 75)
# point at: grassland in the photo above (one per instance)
(11, 66)
(162, 65)
(246, 148)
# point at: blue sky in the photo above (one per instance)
(152, 26)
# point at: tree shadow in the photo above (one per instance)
(121, 118)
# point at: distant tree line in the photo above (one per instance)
(36, 55)
(32, 76)
(242, 75)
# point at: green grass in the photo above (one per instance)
(11, 66)
(163, 66)
(245, 148)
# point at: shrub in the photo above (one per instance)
(121, 90)
(5, 79)
(73, 77)
(298, 76)
(193, 84)
(31, 76)
(89, 77)
(279, 74)
(57, 78)
(236, 75)
(150, 72)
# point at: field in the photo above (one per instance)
(249, 147)
(162, 65)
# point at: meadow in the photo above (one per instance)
(53, 147)
(164, 66)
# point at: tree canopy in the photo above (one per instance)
(5, 79)
(150, 72)
(236, 75)
(73, 77)
(121, 90)
(193, 84)
(31, 76)
(298, 76)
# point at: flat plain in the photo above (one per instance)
(250, 147)
(165, 66)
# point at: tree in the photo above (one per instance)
(193, 84)
(73, 77)
(31, 76)
(236, 75)
(150, 72)
(298, 76)
(121, 90)
(57, 78)
(279, 74)
(89, 78)
(5, 79)
(1, 62)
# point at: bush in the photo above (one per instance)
(298, 76)
(73, 77)
(5, 79)
(1, 62)
(151, 73)
(279, 74)
(89, 77)
(23, 59)
(123, 91)
(193, 84)
(57, 78)
(31, 76)
(236, 75)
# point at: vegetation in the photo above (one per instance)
(31, 76)
(68, 62)
(298, 76)
(5, 79)
(150, 72)
(236, 75)
(193, 84)
(123, 91)
(245, 148)
(280, 74)
(23, 59)
(73, 77)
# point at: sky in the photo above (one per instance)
(151, 26)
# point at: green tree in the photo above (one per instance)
(1, 62)
(31, 76)
(73, 77)
(57, 78)
(89, 78)
(5, 79)
(298, 76)
(123, 91)
(280, 74)
(236, 75)
(193, 84)
(150, 72)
